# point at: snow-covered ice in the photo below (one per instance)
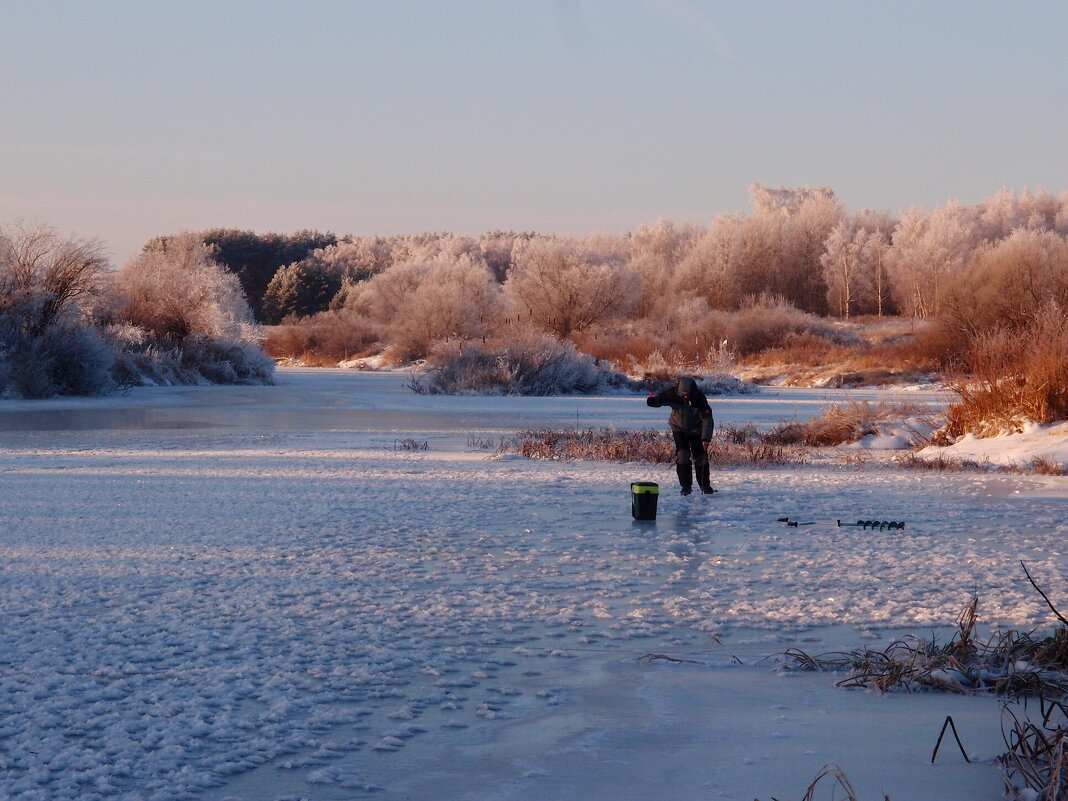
(260, 593)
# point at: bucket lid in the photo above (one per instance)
(645, 488)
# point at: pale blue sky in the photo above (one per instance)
(124, 119)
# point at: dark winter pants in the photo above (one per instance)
(688, 449)
(689, 452)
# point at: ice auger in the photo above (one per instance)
(874, 525)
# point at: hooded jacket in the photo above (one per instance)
(690, 412)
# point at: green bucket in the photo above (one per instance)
(643, 495)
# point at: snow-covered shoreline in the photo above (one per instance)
(304, 611)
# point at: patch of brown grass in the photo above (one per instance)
(322, 340)
(1048, 466)
(1016, 375)
(937, 464)
(645, 447)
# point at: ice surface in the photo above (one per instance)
(280, 603)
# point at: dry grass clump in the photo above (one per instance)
(1047, 466)
(1037, 755)
(840, 782)
(1016, 375)
(848, 422)
(939, 464)
(643, 446)
(1012, 663)
(605, 444)
(1038, 466)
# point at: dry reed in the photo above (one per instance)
(645, 447)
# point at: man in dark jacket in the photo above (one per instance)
(691, 427)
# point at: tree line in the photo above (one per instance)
(192, 301)
(966, 266)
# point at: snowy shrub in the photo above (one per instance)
(226, 362)
(81, 361)
(49, 288)
(527, 365)
(455, 369)
(150, 366)
(192, 311)
(1007, 284)
(545, 365)
(62, 360)
(683, 335)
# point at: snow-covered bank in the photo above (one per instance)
(1036, 443)
(234, 611)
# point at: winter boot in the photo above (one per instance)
(703, 480)
(685, 478)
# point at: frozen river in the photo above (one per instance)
(250, 593)
(381, 403)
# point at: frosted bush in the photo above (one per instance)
(193, 316)
(61, 360)
(457, 370)
(420, 301)
(529, 365)
(227, 362)
(81, 361)
(179, 290)
(549, 366)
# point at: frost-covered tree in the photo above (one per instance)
(1007, 283)
(735, 259)
(854, 264)
(929, 250)
(52, 288)
(255, 258)
(48, 277)
(564, 286)
(422, 300)
(655, 251)
(806, 217)
(353, 258)
(1005, 212)
(299, 290)
(177, 289)
(497, 249)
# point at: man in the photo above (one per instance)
(691, 427)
